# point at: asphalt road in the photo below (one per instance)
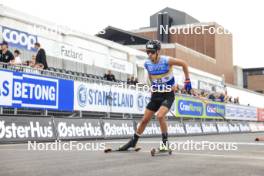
(245, 157)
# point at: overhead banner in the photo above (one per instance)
(196, 108)
(22, 90)
(260, 114)
(23, 129)
(238, 112)
(18, 39)
(106, 98)
(67, 52)
(114, 64)
(120, 66)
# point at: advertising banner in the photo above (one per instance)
(260, 114)
(106, 98)
(196, 108)
(67, 128)
(209, 127)
(23, 129)
(118, 128)
(239, 112)
(175, 128)
(22, 90)
(152, 129)
(234, 127)
(244, 127)
(222, 127)
(193, 128)
(18, 39)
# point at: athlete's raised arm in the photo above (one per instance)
(184, 65)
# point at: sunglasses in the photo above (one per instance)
(151, 51)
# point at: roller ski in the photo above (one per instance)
(163, 149)
(134, 149)
(130, 146)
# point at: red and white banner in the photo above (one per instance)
(260, 114)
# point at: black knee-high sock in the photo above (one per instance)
(165, 138)
(136, 136)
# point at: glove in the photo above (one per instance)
(187, 85)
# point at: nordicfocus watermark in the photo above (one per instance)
(146, 88)
(191, 145)
(66, 146)
(190, 29)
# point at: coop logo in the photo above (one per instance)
(82, 95)
(32, 130)
(19, 39)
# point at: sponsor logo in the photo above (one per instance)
(142, 101)
(82, 95)
(69, 52)
(215, 110)
(223, 127)
(31, 130)
(186, 107)
(19, 39)
(233, 127)
(152, 129)
(84, 130)
(193, 128)
(117, 65)
(244, 127)
(176, 128)
(123, 129)
(35, 91)
(31, 91)
(209, 128)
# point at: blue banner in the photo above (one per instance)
(186, 107)
(215, 110)
(198, 108)
(33, 91)
(19, 39)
